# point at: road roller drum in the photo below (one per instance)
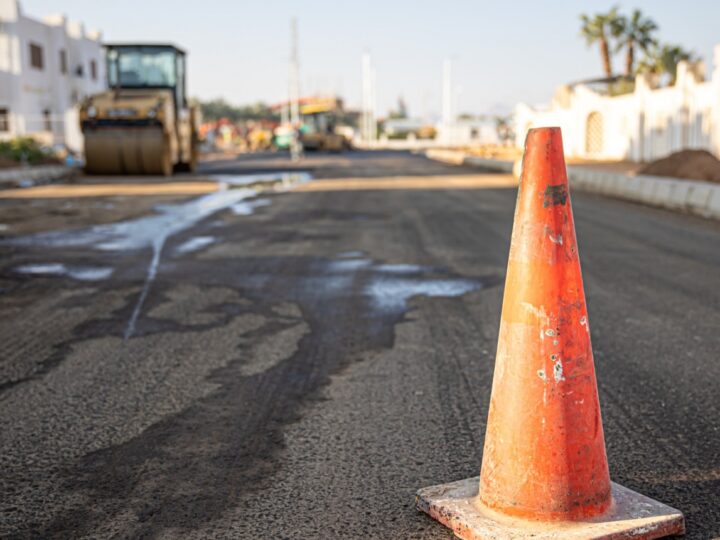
(127, 151)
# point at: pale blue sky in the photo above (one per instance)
(503, 51)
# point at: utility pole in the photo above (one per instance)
(369, 97)
(447, 111)
(285, 112)
(365, 123)
(294, 92)
(284, 115)
(373, 106)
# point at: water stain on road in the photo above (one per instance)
(246, 208)
(149, 231)
(392, 293)
(194, 244)
(318, 316)
(81, 273)
(153, 231)
(312, 317)
(389, 286)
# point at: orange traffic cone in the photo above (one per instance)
(544, 471)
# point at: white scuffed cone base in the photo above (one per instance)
(632, 515)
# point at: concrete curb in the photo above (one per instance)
(488, 163)
(33, 175)
(457, 157)
(454, 157)
(691, 196)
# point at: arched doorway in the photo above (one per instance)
(594, 134)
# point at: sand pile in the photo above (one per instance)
(691, 164)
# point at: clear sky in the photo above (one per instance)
(502, 51)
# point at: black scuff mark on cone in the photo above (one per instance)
(555, 195)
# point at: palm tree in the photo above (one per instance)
(600, 29)
(665, 59)
(633, 31)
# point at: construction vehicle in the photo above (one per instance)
(143, 123)
(319, 129)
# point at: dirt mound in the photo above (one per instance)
(689, 164)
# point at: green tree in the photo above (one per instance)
(601, 28)
(631, 32)
(664, 59)
(215, 109)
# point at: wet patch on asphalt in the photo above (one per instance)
(194, 244)
(319, 314)
(302, 319)
(245, 208)
(153, 231)
(81, 273)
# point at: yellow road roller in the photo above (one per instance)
(319, 130)
(143, 123)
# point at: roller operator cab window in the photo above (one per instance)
(142, 67)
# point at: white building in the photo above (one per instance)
(644, 125)
(46, 68)
(463, 132)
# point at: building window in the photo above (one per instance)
(63, 61)
(47, 120)
(36, 56)
(4, 120)
(93, 70)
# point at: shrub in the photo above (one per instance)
(25, 150)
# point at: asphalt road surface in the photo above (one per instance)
(298, 364)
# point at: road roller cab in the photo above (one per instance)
(143, 123)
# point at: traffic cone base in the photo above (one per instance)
(631, 515)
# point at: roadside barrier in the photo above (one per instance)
(544, 471)
(691, 196)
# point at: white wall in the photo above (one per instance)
(465, 132)
(27, 91)
(641, 126)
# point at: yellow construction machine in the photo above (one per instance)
(319, 130)
(143, 123)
